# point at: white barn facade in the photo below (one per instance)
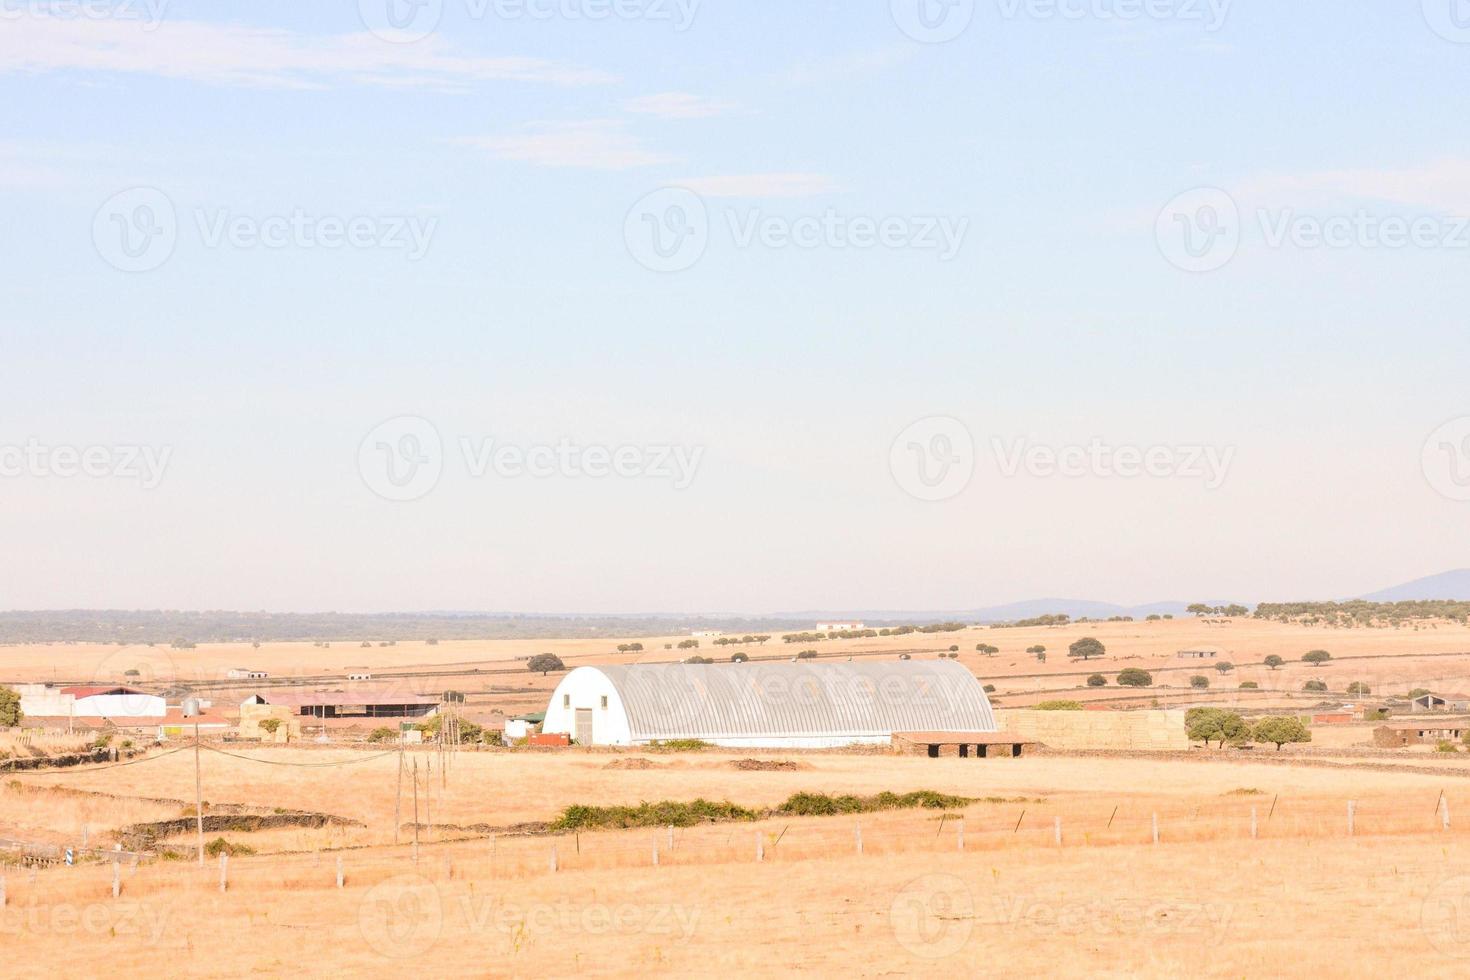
(804, 704)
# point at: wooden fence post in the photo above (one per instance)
(553, 858)
(1352, 813)
(858, 829)
(671, 837)
(224, 871)
(340, 878)
(1444, 814)
(116, 879)
(1057, 830)
(1253, 823)
(760, 846)
(655, 850)
(960, 834)
(1156, 828)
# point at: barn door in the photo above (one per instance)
(584, 726)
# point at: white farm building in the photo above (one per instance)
(767, 705)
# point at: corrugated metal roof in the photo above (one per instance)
(799, 699)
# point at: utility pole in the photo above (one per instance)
(198, 796)
(398, 798)
(415, 811)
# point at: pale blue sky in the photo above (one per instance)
(524, 143)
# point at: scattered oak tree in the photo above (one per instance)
(1087, 648)
(1279, 731)
(545, 663)
(1316, 657)
(1135, 677)
(1274, 662)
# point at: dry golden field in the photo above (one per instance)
(1431, 655)
(983, 889)
(1208, 899)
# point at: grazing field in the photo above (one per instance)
(925, 891)
(494, 677)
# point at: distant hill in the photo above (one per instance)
(1446, 585)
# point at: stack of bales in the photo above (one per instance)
(251, 716)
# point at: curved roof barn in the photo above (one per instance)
(803, 704)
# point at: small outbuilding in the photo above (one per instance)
(1440, 702)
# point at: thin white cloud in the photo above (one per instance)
(1442, 185)
(236, 55)
(594, 144)
(760, 185)
(677, 105)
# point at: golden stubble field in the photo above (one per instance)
(1208, 899)
(1433, 655)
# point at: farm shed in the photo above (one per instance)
(965, 745)
(1441, 702)
(803, 704)
(357, 702)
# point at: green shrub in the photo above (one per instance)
(678, 745)
(1059, 706)
(1249, 686)
(220, 846)
(662, 814)
(1097, 680)
(1446, 746)
(1135, 677)
(383, 734)
(1317, 687)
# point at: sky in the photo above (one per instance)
(661, 305)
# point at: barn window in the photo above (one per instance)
(604, 700)
(566, 700)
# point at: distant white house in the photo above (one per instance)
(246, 674)
(359, 674)
(839, 627)
(706, 634)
